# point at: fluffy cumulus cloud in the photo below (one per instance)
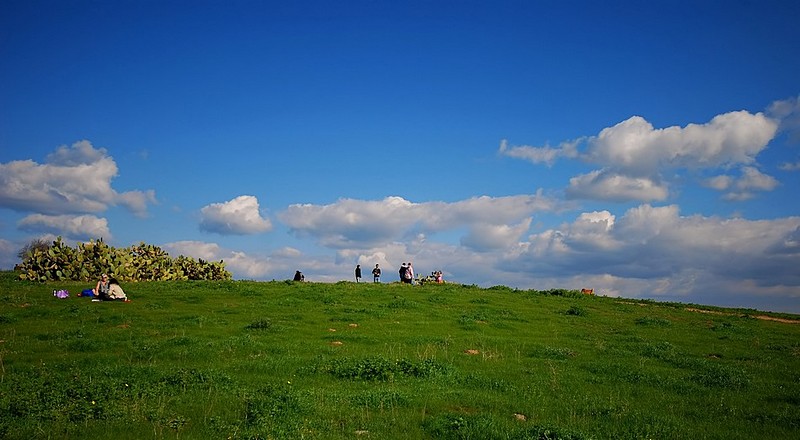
(634, 156)
(240, 216)
(80, 227)
(74, 179)
(636, 147)
(490, 237)
(546, 155)
(195, 249)
(788, 112)
(365, 224)
(613, 186)
(238, 263)
(671, 254)
(745, 187)
(8, 254)
(280, 264)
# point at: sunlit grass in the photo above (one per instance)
(253, 360)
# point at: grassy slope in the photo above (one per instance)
(305, 360)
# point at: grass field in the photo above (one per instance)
(284, 360)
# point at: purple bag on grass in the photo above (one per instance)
(61, 294)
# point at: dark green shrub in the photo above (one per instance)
(649, 320)
(261, 324)
(576, 311)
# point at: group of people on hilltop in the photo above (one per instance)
(376, 274)
(406, 273)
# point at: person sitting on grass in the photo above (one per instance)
(109, 290)
(101, 290)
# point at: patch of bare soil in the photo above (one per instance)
(772, 318)
(764, 317)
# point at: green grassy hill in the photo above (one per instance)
(284, 360)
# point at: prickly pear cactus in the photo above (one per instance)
(87, 261)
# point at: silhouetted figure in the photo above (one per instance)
(376, 274)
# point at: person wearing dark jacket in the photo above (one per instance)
(376, 274)
(403, 273)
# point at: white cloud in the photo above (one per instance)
(719, 183)
(136, 201)
(279, 265)
(753, 179)
(287, 252)
(546, 154)
(788, 112)
(486, 237)
(238, 263)
(239, 216)
(790, 166)
(613, 186)
(246, 266)
(635, 146)
(591, 232)
(634, 155)
(656, 242)
(743, 188)
(195, 249)
(75, 179)
(8, 254)
(80, 153)
(365, 224)
(81, 227)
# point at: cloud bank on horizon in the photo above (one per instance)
(650, 251)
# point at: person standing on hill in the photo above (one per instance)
(376, 274)
(403, 273)
(358, 272)
(410, 273)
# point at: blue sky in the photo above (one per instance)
(643, 149)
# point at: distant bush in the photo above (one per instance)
(381, 369)
(37, 244)
(261, 324)
(714, 375)
(568, 293)
(576, 311)
(649, 320)
(501, 288)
